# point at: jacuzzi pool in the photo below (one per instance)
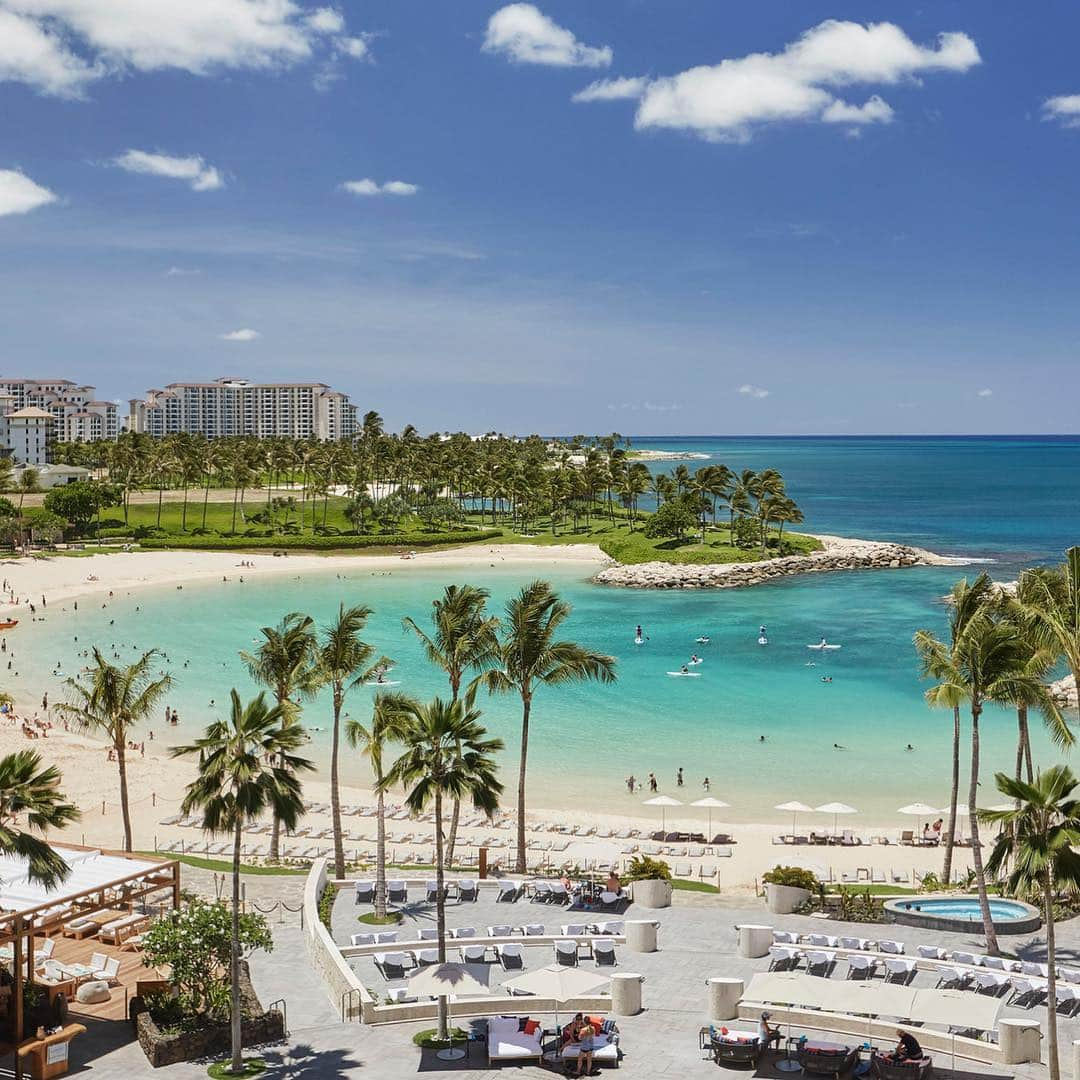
(959, 912)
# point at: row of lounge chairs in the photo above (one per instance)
(115, 931)
(509, 955)
(612, 927)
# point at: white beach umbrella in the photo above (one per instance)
(712, 804)
(836, 809)
(663, 801)
(560, 983)
(441, 980)
(961, 812)
(919, 810)
(794, 808)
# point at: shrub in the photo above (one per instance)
(795, 877)
(642, 868)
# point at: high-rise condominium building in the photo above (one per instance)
(227, 407)
(35, 413)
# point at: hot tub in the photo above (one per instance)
(962, 913)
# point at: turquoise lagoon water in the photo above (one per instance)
(1006, 500)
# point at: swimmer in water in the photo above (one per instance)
(909, 747)
(761, 738)
(826, 678)
(837, 746)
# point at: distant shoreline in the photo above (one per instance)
(667, 455)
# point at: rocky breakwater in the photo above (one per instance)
(1064, 692)
(837, 553)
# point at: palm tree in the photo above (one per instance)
(344, 662)
(990, 666)
(1037, 840)
(285, 662)
(447, 756)
(965, 600)
(246, 765)
(528, 656)
(464, 639)
(114, 700)
(28, 788)
(388, 723)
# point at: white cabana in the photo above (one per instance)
(663, 801)
(712, 804)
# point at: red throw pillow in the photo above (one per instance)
(597, 1022)
(532, 1027)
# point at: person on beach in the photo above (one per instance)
(631, 783)
(705, 783)
(652, 782)
(586, 1036)
(679, 778)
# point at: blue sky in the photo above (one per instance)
(866, 227)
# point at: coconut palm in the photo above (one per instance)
(529, 656)
(1037, 841)
(113, 699)
(964, 600)
(285, 662)
(989, 666)
(344, 662)
(388, 723)
(27, 787)
(447, 756)
(246, 765)
(463, 639)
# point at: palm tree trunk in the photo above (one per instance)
(380, 854)
(976, 846)
(1051, 978)
(526, 706)
(455, 813)
(183, 512)
(954, 797)
(160, 496)
(335, 792)
(440, 908)
(206, 499)
(125, 810)
(1025, 742)
(234, 958)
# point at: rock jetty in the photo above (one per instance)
(838, 553)
(1064, 691)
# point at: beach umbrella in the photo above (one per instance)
(836, 809)
(918, 810)
(712, 804)
(663, 801)
(560, 983)
(441, 980)
(961, 812)
(794, 808)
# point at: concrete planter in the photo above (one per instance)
(784, 899)
(654, 893)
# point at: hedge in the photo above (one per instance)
(315, 543)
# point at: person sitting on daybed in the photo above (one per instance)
(908, 1048)
(767, 1034)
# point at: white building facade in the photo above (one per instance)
(77, 414)
(229, 407)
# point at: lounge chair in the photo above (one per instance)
(1029, 967)
(464, 932)
(82, 927)
(884, 1068)
(605, 1048)
(785, 937)
(1026, 992)
(534, 929)
(783, 959)
(510, 956)
(999, 963)
(467, 890)
(541, 893)
(46, 950)
(908, 837)
(618, 926)
(386, 937)
(573, 929)
(397, 893)
(432, 892)
(500, 930)
(964, 958)
(604, 953)
(507, 1042)
(861, 967)
(896, 948)
(362, 939)
(559, 895)
(858, 943)
(566, 952)
(1068, 999)
(508, 892)
(425, 956)
(365, 892)
(950, 978)
(473, 954)
(822, 941)
(900, 969)
(428, 933)
(820, 962)
(391, 965)
(827, 1062)
(735, 1047)
(931, 952)
(106, 968)
(991, 983)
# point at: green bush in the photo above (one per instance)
(642, 868)
(316, 543)
(795, 877)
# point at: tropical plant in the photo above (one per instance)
(27, 787)
(796, 877)
(448, 755)
(529, 656)
(246, 765)
(1037, 843)
(463, 639)
(344, 662)
(286, 663)
(389, 717)
(114, 699)
(642, 868)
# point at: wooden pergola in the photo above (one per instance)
(20, 925)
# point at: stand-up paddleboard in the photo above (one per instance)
(703, 640)
(694, 663)
(387, 682)
(639, 641)
(824, 647)
(763, 640)
(685, 674)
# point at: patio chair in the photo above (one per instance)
(894, 947)
(391, 965)
(467, 891)
(510, 956)
(397, 892)
(861, 967)
(508, 892)
(106, 968)
(566, 952)
(819, 962)
(365, 892)
(604, 953)
(900, 970)
(882, 1067)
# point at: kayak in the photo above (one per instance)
(819, 647)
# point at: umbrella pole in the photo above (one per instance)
(787, 1065)
(451, 1053)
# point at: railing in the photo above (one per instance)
(280, 1006)
(351, 1003)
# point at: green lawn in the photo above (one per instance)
(226, 867)
(635, 547)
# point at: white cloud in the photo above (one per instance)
(193, 169)
(246, 334)
(1065, 108)
(19, 194)
(59, 46)
(182, 271)
(612, 90)
(754, 391)
(984, 392)
(724, 102)
(355, 47)
(368, 186)
(524, 33)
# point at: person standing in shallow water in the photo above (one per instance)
(679, 779)
(652, 782)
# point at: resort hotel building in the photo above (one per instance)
(35, 413)
(229, 407)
